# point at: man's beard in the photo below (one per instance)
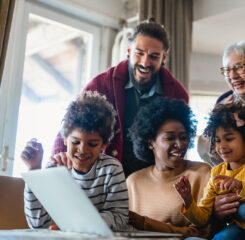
(139, 85)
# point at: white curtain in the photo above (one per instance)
(119, 49)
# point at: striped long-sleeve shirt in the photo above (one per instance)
(105, 186)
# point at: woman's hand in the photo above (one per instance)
(226, 204)
(61, 159)
(183, 188)
(136, 220)
(32, 154)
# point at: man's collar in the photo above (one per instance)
(129, 83)
(158, 85)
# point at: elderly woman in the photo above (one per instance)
(234, 72)
(161, 134)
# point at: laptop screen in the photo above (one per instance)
(65, 201)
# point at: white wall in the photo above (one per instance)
(207, 8)
(204, 74)
(215, 27)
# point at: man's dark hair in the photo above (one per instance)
(151, 117)
(150, 28)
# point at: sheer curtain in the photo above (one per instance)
(6, 14)
(176, 16)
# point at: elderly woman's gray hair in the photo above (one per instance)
(238, 48)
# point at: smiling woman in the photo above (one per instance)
(170, 145)
(161, 134)
(234, 71)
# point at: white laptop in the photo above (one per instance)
(69, 206)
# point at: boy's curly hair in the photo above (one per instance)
(223, 116)
(151, 117)
(90, 112)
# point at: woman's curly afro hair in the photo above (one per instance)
(90, 112)
(151, 117)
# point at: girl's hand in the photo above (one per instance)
(32, 154)
(183, 188)
(228, 183)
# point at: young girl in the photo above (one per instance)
(226, 128)
(87, 128)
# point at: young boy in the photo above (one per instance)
(87, 129)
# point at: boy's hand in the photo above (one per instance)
(228, 183)
(54, 227)
(32, 154)
(61, 159)
(183, 188)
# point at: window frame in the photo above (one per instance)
(10, 89)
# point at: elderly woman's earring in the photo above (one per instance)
(151, 147)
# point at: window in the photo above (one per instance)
(53, 62)
(201, 106)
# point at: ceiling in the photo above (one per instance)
(214, 33)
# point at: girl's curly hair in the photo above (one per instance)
(90, 112)
(151, 117)
(223, 116)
